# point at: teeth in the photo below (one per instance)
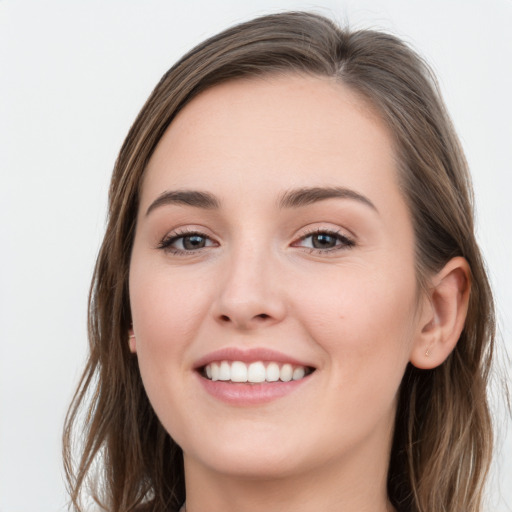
(224, 371)
(298, 373)
(238, 371)
(286, 373)
(215, 371)
(256, 372)
(272, 372)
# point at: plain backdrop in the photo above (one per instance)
(73, 75)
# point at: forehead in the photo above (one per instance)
(267, 133)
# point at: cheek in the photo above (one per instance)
(364, 322)
(166, 314)
(165, 309)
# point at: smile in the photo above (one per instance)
(255, 372)
(249, 377)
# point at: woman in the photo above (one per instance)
(289, 309)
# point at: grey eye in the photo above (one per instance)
(324, 241)
(186, 242)
(191, 242)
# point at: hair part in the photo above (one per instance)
(443, 436)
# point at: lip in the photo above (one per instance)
(247, 356)
(246, 394)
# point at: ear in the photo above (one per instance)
(443, 315)
(131, 341)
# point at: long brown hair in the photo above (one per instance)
(443, 436)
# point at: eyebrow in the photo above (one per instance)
(295, 198)
(305, 196)
(186, 197)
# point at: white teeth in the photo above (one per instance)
(224, 371)
(238, 372)
(256, 372)
(215, 371)
(286, 373)
(272, 372)
(298, 373)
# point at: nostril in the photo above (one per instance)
(261, 316)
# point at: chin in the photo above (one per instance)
(252, 465)
(252, 455)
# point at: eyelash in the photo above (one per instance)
(166, 243)
(345, 242)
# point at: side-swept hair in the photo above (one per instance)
(443, 436)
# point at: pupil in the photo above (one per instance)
(193, 242)
(323, 241)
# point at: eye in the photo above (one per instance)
(324, 241)
(186, 242)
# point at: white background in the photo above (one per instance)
(73, 75)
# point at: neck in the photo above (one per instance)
(354, 487)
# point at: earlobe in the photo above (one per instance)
(131, 341)
(444, 315)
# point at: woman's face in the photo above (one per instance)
(273, 241)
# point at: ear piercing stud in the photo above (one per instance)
(427, 352)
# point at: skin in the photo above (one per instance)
(352, 311)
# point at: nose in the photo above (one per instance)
(250, 293)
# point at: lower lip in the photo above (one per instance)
(241, 394)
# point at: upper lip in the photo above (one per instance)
(248, 356)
